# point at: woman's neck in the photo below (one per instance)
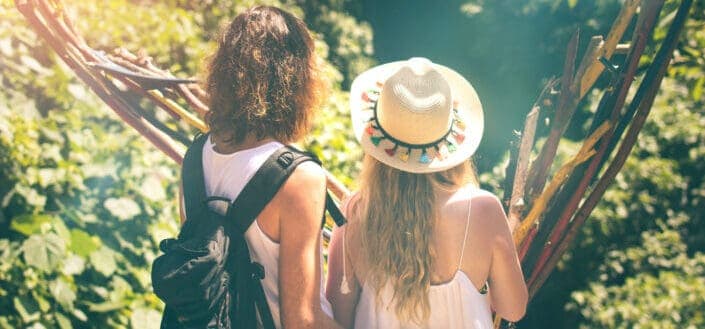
(225, 147)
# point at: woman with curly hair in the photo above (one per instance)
(263, 85)
(422, 239)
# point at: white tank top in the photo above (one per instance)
(454, 304)
(225, 176)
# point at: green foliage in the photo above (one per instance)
(349, 40)
(68, 255)
(663, 287)
(653, 279)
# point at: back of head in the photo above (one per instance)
(397, 211)
(263, 78)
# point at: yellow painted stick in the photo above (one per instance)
(187, 116)
(586, 151)
(615, 35)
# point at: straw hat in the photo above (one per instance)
(416, 116)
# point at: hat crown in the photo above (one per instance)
(415, 103)
(416, 116)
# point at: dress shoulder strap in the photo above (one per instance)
(465, 237)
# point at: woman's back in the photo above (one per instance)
(422, 242)
(461, 264)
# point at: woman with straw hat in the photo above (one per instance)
(423, 242)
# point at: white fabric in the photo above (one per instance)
(454, 304)
(225, 176)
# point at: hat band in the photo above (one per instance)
(442, 146)
(401, 143)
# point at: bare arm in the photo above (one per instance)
(343, 304)
(508, 291)
(302, 201)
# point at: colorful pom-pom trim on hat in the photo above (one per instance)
(441, 148)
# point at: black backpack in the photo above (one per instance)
(205, 276)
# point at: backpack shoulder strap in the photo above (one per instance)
(192, 178)
(264, 185)
(334, 211)
(256, 195)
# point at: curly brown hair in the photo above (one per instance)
(263, 79)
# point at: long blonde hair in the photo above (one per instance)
(397, 212)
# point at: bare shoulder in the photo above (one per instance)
(349, 205)
(487, 203)
(302, 198)
(307, 180)
(488, 211)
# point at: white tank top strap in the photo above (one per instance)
(465, 237)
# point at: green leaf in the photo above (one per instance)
(105, 307)
(60, 228)
(119, 288)
(31, 196)
(152, 189)
(73, 265)
(63, 293)
(30, 224)
(145, 318)
(103, 260)
(5, 323)
(122, 208)
(697, 91)
(33, 64)
(27, 308)
(44, 305)
(80, 315)
(36, 325)
(44, 251)
(83, 243)
(63, 321)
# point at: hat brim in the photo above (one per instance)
(468, 106)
